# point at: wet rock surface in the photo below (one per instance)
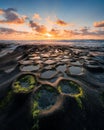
(67, 84)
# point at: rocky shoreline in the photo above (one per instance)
(72, 75)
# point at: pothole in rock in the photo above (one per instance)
(29, 67)
(24, 83)
(75, 70)
(47, 74)
(68, 87)
(53, 79)
(45, 97)
(61, 68)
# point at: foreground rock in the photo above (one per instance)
(51, 87)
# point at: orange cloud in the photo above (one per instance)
(70, 33)
(10, 16)
(37, 16)
(61, 23)
(10, 31)
(11, 34)
(58, 22)
(62, 34)
(38, 28)
(82, 33)
(41, 29)
(1, 11)
(99, 24)
(54, 32)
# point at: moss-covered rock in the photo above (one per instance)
(71, 88)
(43, 99)
(24, 83)
(46, 96)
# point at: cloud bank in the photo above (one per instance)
(10, 16)
(99, 24)
(36, 27)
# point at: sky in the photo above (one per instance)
(51, 19)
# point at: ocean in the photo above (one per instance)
(82, 43)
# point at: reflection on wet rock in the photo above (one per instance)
(29, 68)
(75, 70)
(61, 68)
(47, 74)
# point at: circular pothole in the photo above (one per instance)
(45, 97)
(69, 87)
(24, 83)
(29, 67)
(75, 70)
(47, 74)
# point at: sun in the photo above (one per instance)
(48, 35)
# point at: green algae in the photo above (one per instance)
(35, 113)
(46, 97)
(74, 90)
(59, 89)
(42, 99)
(79, 97)
(24, 84)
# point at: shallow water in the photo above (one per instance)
(30, 68)
(47, 74)
(75, 70)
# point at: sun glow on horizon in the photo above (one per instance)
(48, 35)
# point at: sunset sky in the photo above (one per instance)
(51, 19)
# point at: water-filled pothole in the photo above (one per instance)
(75, 70)
(47, 74)
(24, 83)
(61, 68)
(45, 97)
(68, 87)
(29, 67)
